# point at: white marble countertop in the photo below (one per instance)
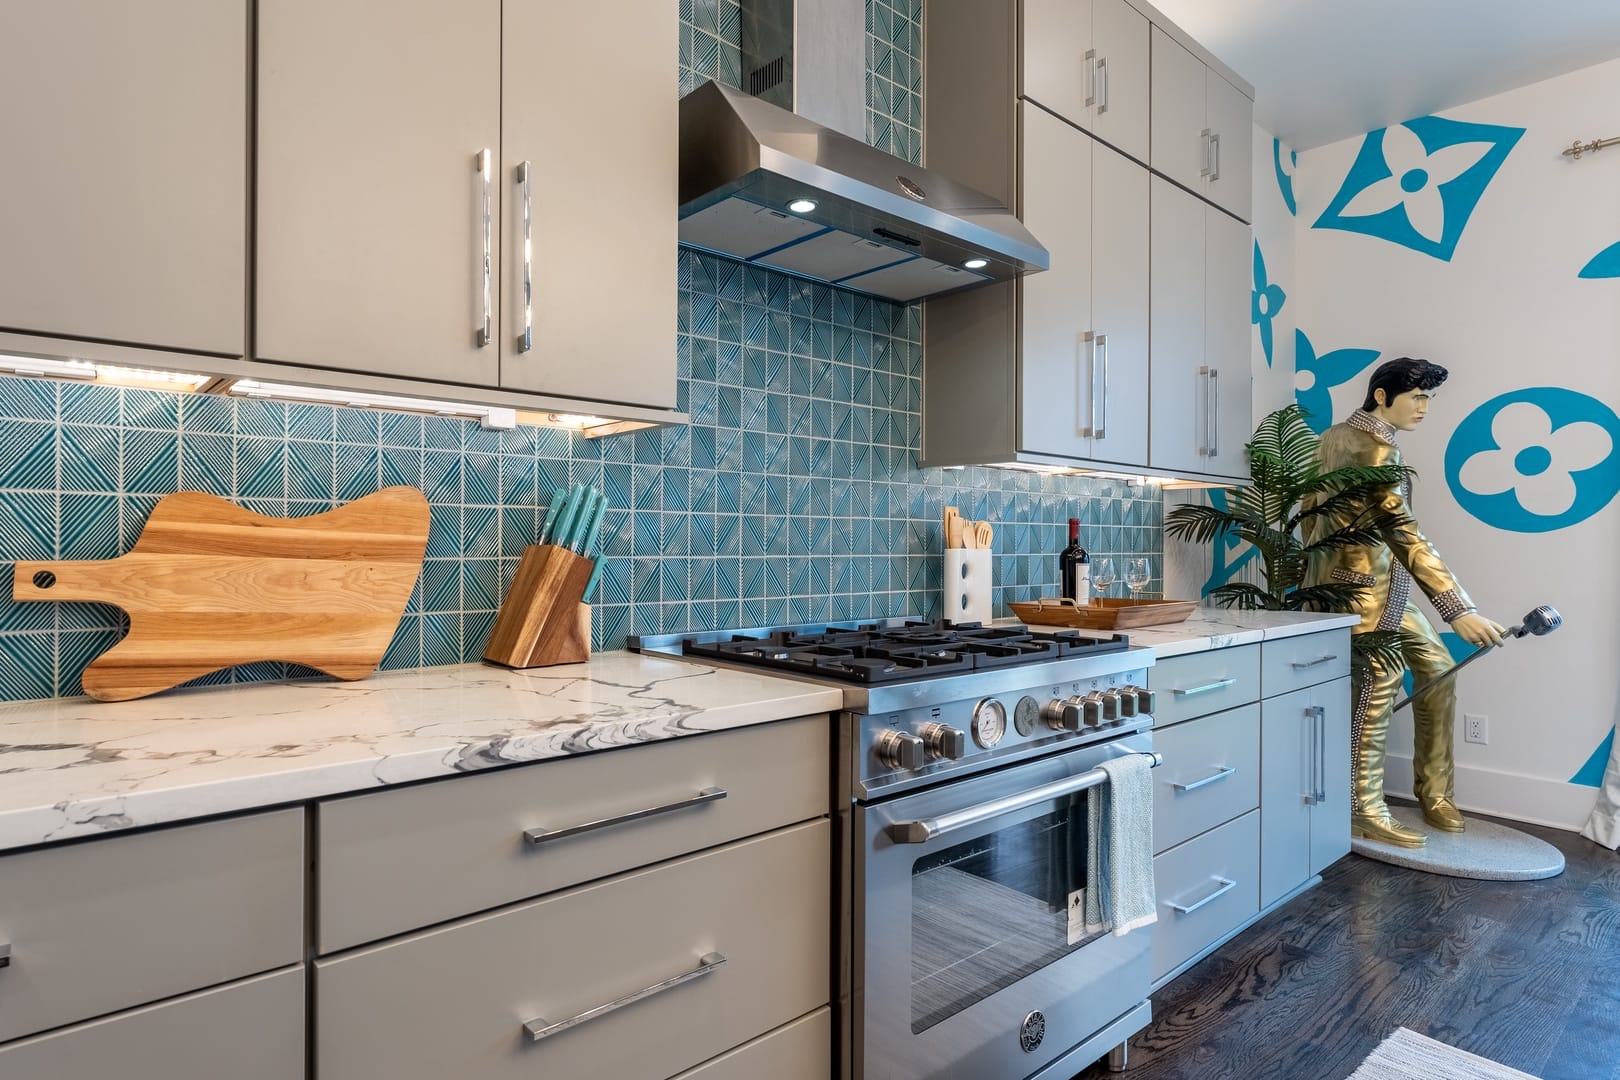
(1220, 628)
(75, 767)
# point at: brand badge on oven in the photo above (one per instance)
(1033, 1031)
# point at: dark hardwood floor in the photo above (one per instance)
(1526, 973)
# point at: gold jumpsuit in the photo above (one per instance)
(1386, 572)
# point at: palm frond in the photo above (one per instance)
(1199, 524)
(1357, 500)
(1328, 596)
(1285, 438)
(1348, 537)
(1379, 476)
(1245, 597)
(1380, 652)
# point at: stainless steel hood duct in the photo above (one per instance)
(790, 191)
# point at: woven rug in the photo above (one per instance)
(1406, 1055)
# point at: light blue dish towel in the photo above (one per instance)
(1119, 868)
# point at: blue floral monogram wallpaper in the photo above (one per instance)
(792, 496)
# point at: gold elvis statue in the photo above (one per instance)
(1398, 396)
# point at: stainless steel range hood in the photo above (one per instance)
(788, 190)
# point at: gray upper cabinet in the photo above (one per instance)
(123, 203)
(1051, 368)
(1200, 380)
(1202, 127)
(1087, 61)
(449, 192)
(371, 253)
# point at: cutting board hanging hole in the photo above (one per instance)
(44, 579)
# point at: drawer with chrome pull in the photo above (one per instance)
(1207, 887)
(1288, 664)
(395, 861)
(94, 927)
(1198, 684)
(634, 978)
(1210, 775)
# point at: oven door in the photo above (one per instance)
(962, 938)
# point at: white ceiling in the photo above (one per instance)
(1325, 70)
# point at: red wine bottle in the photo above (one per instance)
(1074, 568)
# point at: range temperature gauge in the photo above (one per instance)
(989, 722)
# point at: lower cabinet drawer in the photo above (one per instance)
(251, 1030)
(113, 923)
(801, 1050)
(1206, 887)
(587, 984)
(1210, 775)
(1198, 684)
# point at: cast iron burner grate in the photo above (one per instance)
(914, 650)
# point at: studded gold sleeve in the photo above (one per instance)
(1411, 548)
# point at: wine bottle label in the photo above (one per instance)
(1081, 590)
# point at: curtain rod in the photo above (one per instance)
(1578, 148)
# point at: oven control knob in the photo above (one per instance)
(1145, 699)
(943, 741)
(898, 750)
(1110, 705)
(1127, 700)
(1062, 714)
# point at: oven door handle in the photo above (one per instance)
(921, 832)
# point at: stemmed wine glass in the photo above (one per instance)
(1138, 573)
(1102, 575)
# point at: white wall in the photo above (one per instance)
(1477, 263)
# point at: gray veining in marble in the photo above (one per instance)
(75, 767)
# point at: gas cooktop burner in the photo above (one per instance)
(914, 650)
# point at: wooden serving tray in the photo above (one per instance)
(1103, 613)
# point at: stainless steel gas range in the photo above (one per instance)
(965, 759)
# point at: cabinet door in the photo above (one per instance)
(1176, 329)
(1178, 112)
(1055, 71)
(1288, 775)
(371, 208)
(1120, 38)
(1226, 343)
(1055, 358)
(1119, 295)
(1230, 116)
(1330, 816)
(123, 200)
(602, 204)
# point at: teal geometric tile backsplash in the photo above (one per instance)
(792, 496)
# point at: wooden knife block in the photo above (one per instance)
(543, 620)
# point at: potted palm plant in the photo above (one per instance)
(1292, 499)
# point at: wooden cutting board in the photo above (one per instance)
(210, 585)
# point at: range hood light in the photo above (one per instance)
(976, 264)
(802, 206)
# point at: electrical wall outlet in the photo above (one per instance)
(1476, 728)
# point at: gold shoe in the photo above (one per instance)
(1385, 830)
(1442, 813)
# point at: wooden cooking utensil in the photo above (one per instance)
(984, 535)
(210, 585)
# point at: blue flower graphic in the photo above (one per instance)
(1285, 177)
(1225, 567)
(1416, 184)
(1535, 460)
(1264, 302)
(1605, 264)
(1315, 376)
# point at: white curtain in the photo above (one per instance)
(1604, 824)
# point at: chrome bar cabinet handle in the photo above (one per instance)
(1221, 773)
(1102, 84)
(1204, 140)
(1321, 763)
(1090, 60)
(1226, 885)
(540, 1028)
(1214, 413)
(1099, 427)
(1315, 756)
(1089, 338)
(545, 836)
(1301, 665)
(1215, 156)
(920, 832)
(1218, 684)
(525, 340)
(486, 333)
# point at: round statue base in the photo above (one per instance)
(1485, 850)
